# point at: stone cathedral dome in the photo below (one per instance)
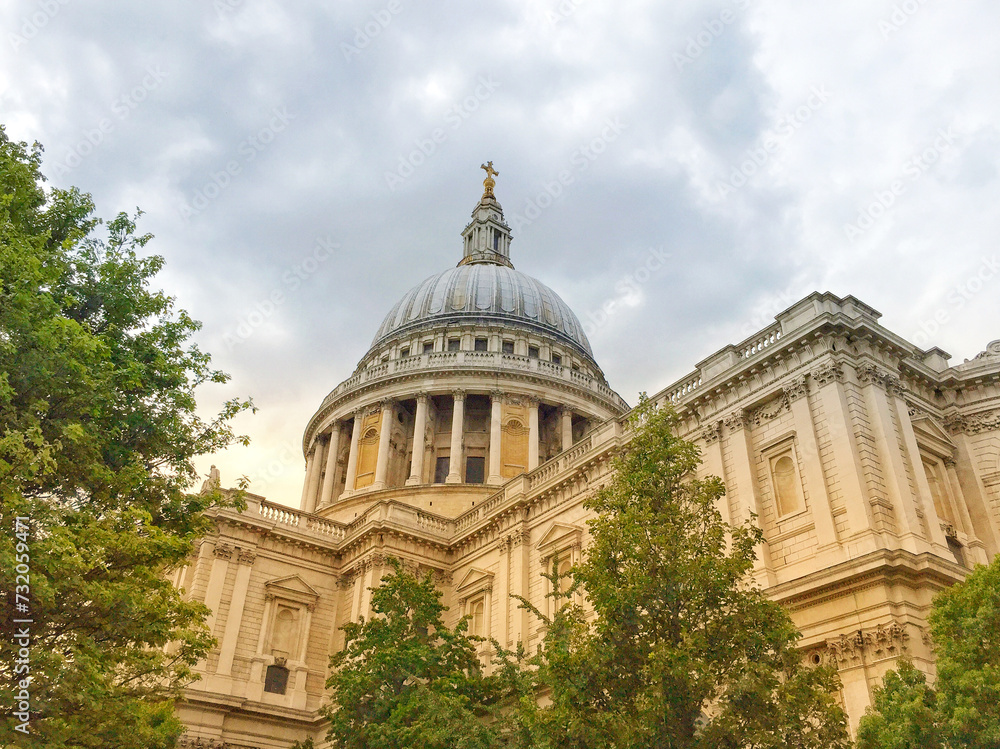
(478, 374)
(484, 291)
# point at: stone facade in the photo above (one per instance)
(466, 443)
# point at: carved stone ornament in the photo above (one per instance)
(833, 372)
(870, 374)
(247, 556)
(880, 643)
(984, 421)
(771, 410)
(223, 551)
(992, 351)
(797, 388)
(712, 433)
(736, 420)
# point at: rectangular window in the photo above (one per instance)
(556, 359)
(428, 347)
(507, 347)
(475, 469)
(454, 344)
(404, 352)
(533, 352)
(482, 344)
(441, 468)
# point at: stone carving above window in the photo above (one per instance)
(984, 421)
(864, 646)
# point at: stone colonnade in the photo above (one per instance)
(322, 487)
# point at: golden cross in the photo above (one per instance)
(490, 171)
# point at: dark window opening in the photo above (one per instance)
(404, 352)
(428, 347)
(453, 344)
(441, 469)
(496, 241)
(276, 680)
(475, 470)
(556, 359)
(482, 344)
(507, 347)
(533, 352)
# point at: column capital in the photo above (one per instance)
(386, 403)
(531, 401)
(497, 394)
(422, 396)
(736, 420)
(712, 433)
(796, 388)
(832, 372)
(458, 394)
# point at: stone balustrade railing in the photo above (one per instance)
(474, 359)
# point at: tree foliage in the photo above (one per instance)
(962, 709)
(685, 651)
(404, 679)
(98, 430)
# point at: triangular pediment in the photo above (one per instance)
(931, 436)
(475, 578)
(558, 533)
(292, 587)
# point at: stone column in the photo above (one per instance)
(307, 479)
(382, 461)
(216, 580)
(419, 429)
(850, 473)
(330, 480)
(715, 466)
(748, 493)
(797, 393)
(235, 619)
(532, 433)
(496, 455)
(975, 546)
(519, 574)
(316, 465)
(457, 421)
(567, 428)
(352, 458)
(924, 499)
(873, 382)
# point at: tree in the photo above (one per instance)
(685, 651)
(98, 430)
(963, 707)
(404, 679)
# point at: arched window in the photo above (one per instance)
(786, 485)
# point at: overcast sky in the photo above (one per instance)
(679, 172)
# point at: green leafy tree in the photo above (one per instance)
(404, 679)
(963, 707)
(685, 652)
(98, 430)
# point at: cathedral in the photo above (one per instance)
(477, 424)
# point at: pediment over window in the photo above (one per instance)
(558, 537)
(932, 437)
(474, 580)
(291, 588)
